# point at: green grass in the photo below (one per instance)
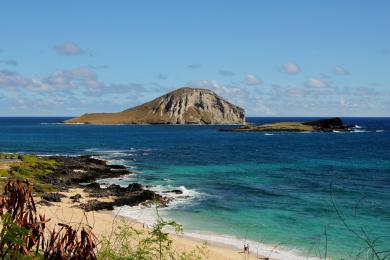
(9, 156)
(4, 173)
(29, 167)
(281, 126)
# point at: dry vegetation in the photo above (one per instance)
(24, 235)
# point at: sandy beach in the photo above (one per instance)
(5, 163)
(103, 222)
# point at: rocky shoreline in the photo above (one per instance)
(322, 125)
(83, 171)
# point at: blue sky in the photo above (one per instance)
(273, 58)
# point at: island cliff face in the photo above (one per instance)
(182, 106)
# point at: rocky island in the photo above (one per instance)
(182, 106)
(322, 125)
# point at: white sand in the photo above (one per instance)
(103, 221)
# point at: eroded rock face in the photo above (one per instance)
(182, 106)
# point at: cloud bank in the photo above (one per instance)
(290, 68)
(68, 49)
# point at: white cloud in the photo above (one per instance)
(68, 49)
(70, 82)
(209, 84)
(252, 80)
(338, 70)
(134, 89)
(316, 83)
(290, 68)
(222, 90)
(11, 79)
(61, 80)
(262, 109)
(69, 79)
(232, 93)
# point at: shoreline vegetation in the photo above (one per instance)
(66, 204)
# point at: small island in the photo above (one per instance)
(322, 125)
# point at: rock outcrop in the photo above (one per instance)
(329, 124)
(75, 172)
(322, 125)
(182, 106)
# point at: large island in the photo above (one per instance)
(182, 106)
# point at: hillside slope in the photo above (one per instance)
(182, 106)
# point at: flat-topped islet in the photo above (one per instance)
(321, 125)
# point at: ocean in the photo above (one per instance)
(288, 193)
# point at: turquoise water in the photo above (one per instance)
(275, 188)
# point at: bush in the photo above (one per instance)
(126, 242)
(22, 233)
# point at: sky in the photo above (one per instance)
(273, 58)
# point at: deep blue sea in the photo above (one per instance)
(272, 188)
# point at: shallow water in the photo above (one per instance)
(275, 188)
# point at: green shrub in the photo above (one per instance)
(126, 242)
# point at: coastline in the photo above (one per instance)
(145, 154)
(231, 246)
(258, 250)
(104, 220)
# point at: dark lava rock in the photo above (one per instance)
(95, 205)
(135, 198)
(132, 195)
(44, 202)
(329, 124)
(130, 188)
(321, 125)
(174, 191)
(93, 185)
(76, 198)
(53, 197)
(113, 190)
(117, 167)
(74, 170)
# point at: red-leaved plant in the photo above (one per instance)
(22, 231)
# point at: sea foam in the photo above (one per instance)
(148, 216)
